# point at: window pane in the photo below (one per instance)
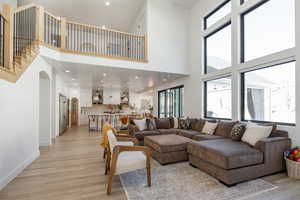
(219, 14)
(271, 27)
(270, 94)
(218, 98)
(218, 50)
(170, 102)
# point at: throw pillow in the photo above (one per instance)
(209, 128)
(182, 124)
(176, 123)
(141, 124)
(254, 133)
(199, 125)
(151, 125)
(171, 122)
(237, 132)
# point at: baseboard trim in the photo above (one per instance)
(15, 172)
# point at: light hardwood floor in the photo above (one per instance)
(73, 169)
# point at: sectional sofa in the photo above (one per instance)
(229, 160)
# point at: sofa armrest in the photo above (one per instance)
(273, 149)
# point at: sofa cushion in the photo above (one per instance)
(141, 134)
(188, 133)
(224, 128)
(207, 137)
(226, 153)
(167, 143)
(163, 123)
(168, 131)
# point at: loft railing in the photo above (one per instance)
(23, 28)
(25, 34)
(94, 40)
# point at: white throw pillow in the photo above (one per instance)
(209, 128)
(254, 133)
(141, 124)
(176, 122)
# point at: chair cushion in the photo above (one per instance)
(187, 133)
(207, 137)
(225, 153)
(141, 134)
(224, 128)
(198, 126)
(130, 161)
(167, 143)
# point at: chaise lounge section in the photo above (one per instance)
(233, 162)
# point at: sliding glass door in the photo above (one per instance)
(170, 102)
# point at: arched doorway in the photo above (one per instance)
(44, 110)
(74, 112)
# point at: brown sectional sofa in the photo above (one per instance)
(227, 160)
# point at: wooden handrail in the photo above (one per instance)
(104, 29)
(51, 15)
(19, 9)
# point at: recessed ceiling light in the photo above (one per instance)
(67, 71)
(107, 3)
(104, 74)
(136, 77)
(73, 79)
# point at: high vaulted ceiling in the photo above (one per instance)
(119, 15)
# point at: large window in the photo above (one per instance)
(218, 49)
(269, 94)
(170, 102)
(218, 98)
(217, 14)
(268, 28)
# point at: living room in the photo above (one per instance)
(192, 99)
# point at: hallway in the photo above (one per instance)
(71, 169)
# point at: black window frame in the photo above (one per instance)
(242, 83)
(242, 31)
(205, 43)
(214, 11)
(205, 99)
(180, 100)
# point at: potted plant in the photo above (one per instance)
(292, 158)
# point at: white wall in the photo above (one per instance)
(19, 121)
(139, 25)
(13, 3)
(45, 105)
(193, 85)
(167, 25)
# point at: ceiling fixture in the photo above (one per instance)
(103, 27)
(136, 77)
(67, 71)
(104, 74)
(107, 3)
(73, 79)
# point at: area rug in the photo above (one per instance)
(183, 182)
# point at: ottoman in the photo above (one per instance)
(168, 148)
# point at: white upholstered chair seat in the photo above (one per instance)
(130, 161)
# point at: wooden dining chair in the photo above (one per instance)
(123, 159)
